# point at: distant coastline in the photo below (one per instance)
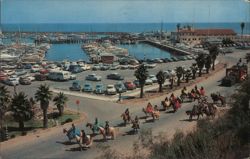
(113, 27)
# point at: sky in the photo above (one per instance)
(123, 11)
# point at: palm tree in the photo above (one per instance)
(194, 70)
(208, 63)
(242, 26)
(160, 79)
(44, 95)
(213, 52)
(4, 101)
(60, 100)
(141, 74)
(179, 73)
(21, 109)
(200, 62)
(178, 26)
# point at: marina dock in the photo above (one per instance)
(168, 48)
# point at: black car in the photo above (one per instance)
(115, 76)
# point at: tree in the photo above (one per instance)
(213, 52)
(187, 75)
(194, 70)
(242, 26)
(21, 109)
(141, 74)
(200, 62)
(208, 63)
(179, 73)
(60, 100)
(160, 79)
(178, 26)
(44, 95)
(4, 102)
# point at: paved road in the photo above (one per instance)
(50, 146)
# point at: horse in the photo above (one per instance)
(210, 110)
(188, 96)
(196, 111)
(155, 114)
(165, 104)
(126, 118)
(217, 97)
(135, 126)
(80, 138)
(110, 133)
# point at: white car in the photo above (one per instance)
(153, 78)
(30, 77)
(9, 72)
(110, 90)
(72, 77)
(148, 82)
(85, 67)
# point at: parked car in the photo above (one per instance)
(130, 85)
(30, 77)
(96, 67)
(58, 75)
(110, 90)
(115, 76)
(87, 87)
(99, 89)
(75, 86)
(137, 84)
(35, 68)
(124, 67)
(153, 78)
(114, 67)
(9, 72)
(72, 77)
(24, 81)
(3, 77)
(93, 77)
(20, 72)
(104, 67)
(40, 77)
(75, 69)
(12, 81)
(27, 66)
(148, 82)
(120, 87)
(44, 71)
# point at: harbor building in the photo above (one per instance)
(198, 36)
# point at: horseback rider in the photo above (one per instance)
(127, 113)
(184, 91)
(156, 108)
(202, 91)
(197, 92)
(172, 99)
(107, 127)
(96, 125)
(136, 122)
(149, 108)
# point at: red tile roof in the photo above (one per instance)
(215, 32)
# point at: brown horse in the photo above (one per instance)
(210, 110)
(110, 133)
(196, 111)
(217, 97)
(126, 119)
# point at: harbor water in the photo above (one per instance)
(73, 52)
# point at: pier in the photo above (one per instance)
(168, 48)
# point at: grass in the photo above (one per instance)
(33, 125)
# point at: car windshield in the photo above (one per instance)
(110, 86)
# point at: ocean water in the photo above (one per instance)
(114, 27)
